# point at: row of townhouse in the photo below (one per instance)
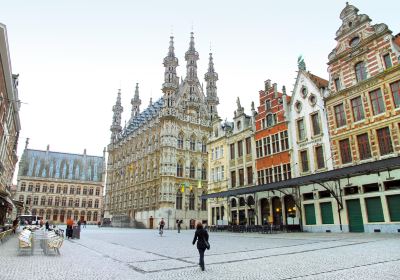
(324, 158)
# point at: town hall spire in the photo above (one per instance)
(211, 77)
(135, 101)
(116, 122)
(191, 57)
(171, 81)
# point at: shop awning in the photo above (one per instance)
(340, 173)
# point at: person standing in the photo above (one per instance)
(179, 225)
(14, 225)
(47, 225)
(201, 236)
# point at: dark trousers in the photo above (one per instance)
(201, 261)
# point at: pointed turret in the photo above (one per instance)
(135, 101)
(116, 123)
(191, 57)
(171, 81)
(211, 78)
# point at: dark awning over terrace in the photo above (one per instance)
(340, 173)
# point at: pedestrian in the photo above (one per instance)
(47, 225)
(70, 223)
(79, 224)
(179, 226)
(201, 235)
(84, 224)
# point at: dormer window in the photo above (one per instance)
(354, 42)
(239, 125)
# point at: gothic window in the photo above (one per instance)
(179, 169)
(191, 201)
(178, 200)
(192, 170)
(203, 172)
(180, 141)
(204, 146)
(192, 143)
(233, 203)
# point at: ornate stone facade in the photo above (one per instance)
(157, 164)
(58, 186)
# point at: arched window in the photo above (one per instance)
(43, 200)
(55, 215)
(77, 200)
(23, 186)
(180, 141)
(34, 212)
(82, 218)
(191, 201)
(65, 190)
(250, 201)
(64, 201)
(91, 191)
(70, 202)
(35, 200)
(44, 188)
(242, 202)
(97, 191)
(41, 212)
(192, 143)
(96, 203)
(58, 189)
(72, 190)
(83, 203)
(95, 216)
(57, 201)
(48, 214)
(84, 191)
(69, 214)
(89, 216)
(179, 169)
(51, 189)
(30, 187)
(50, 201)
(28, 200)
(192, 171)
(233, 202)
(178, 200)
(78, 190)
(361, 73)
(76, 214)
(90, 203)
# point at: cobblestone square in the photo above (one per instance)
(114, 253)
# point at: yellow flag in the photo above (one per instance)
(182, 188)
(191, 188)
(199, 184)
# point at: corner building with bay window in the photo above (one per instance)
(58, 186)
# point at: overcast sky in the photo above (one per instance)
(73, 56)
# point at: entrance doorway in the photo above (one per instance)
(356, 223)
(151, 222)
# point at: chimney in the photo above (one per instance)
(48, 147)
(267, 85)
(84, 152)
(275, 90)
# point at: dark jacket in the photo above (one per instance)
(200, 235)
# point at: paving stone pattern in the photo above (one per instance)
(113, 253)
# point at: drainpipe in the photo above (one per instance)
(339, 207)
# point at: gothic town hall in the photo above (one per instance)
(157, 163)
